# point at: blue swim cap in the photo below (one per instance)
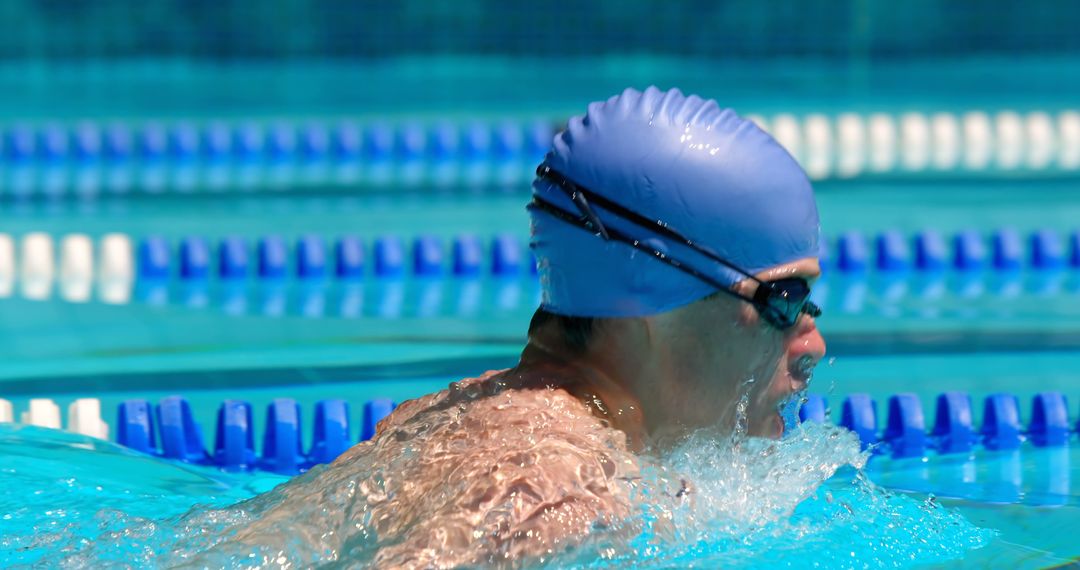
(712, 176)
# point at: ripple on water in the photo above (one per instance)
(710, 502)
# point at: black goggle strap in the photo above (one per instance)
(614, 234)
(764, 295)
(574, 190)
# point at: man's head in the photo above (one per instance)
(656, 220)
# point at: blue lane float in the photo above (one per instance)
(349, 257)
(374, 412)
(234, 444)
(814, 409)
(905, 430)
(181, 437)
(427, 256)
(283, 439)
(852, 252)
(931, 251)
(1008, 249)
(273, 257)
(969, 251)
(507, 255)
(134, 426)
(194, 258)
(953, 428)
(1074, 249)
(893, 251)
(1001, 422)
(311, 259)
(152, 258)
(141, 426)
(332, 429)
(233, 258)
(468, 255)
(168, 430)
(1047, 250)
(389, 256)
(1049, 420)
(859, 414)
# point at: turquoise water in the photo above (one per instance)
(86, 503)
(76, 502)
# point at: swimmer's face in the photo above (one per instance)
(720, 349)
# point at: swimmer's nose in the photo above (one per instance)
(805, 349)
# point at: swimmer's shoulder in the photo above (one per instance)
(408, 409)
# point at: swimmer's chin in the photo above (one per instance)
(769, 427)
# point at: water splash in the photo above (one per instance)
(802, 501)
(712, 500)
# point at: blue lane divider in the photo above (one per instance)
(282, 440)
(233, 258)
(427, 256)
(134, 426)
(273, 257)
(140, 427)
(1001, 422)
(1047, 250)
(236, 434)
(931, 252)
(1074, 249)
(905, 430)
(954, 431)
(969, 251)
(234, 445)
(893, 251)
(468, 254)
(1008, 250)
(389, 256)
(332, 429)
(349, 257)
(852, 252)
(814, 409)
(859, 414)
(194, 258)
(181, 437)
(311, 257)
(506, 255)
(1049, 420)
(374, 412)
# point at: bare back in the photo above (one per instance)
(481, 473)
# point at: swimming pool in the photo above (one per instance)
(979, 332)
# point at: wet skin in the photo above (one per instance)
(656, 378)
(512, 467)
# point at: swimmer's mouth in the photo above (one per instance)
(802, 370)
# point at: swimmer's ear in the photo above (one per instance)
(748, 316)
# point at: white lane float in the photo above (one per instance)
(978, 140)
(851, 145)
(882, 131)
(84, 417)
(945, 141)
(819, 146)
(7, 265)
(42, 412)
(37, 268)
(76, 268)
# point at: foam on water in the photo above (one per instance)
(799, 502)
(710, 501)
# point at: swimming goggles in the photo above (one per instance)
(780, 302)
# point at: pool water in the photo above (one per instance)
(758, 505)
(814, 498)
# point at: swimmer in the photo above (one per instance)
(677, 244)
